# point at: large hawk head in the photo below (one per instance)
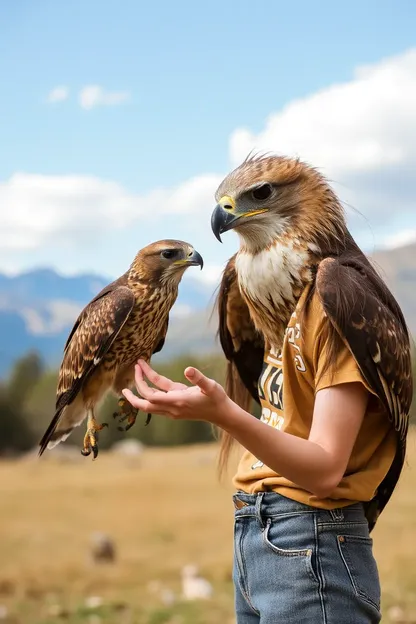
(267, 198)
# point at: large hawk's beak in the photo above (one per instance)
(226, 216)
(223, 217)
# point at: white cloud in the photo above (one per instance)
(211, 274)
(58, 94)
(400, 239)
(361, 134)
(93, 95)
(42, 211)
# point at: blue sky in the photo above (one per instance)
(192, 75)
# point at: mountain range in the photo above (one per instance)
(38, 308)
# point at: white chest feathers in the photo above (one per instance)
(269, 277)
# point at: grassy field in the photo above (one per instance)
(164, 510)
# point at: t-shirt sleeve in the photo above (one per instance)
(345, 370)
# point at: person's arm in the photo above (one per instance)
(317, 464)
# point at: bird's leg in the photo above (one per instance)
(129, 413)
(91, 437)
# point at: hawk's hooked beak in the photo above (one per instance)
(192, 259)
(195, 259)
(225, 217)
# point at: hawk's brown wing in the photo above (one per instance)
(121, 281)
(93, 333)
(369, 320)
(243, 346)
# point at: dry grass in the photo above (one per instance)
(164, 510)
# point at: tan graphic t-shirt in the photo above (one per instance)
(287, 388)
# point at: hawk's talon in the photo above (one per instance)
(123, 417)
(91, 437)
(131, 419)
(129, 425)
(126, 412)
(148, 419)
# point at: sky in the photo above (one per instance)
(118, 120)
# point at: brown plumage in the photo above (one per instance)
(293, 233)
(243, 346)
(126, 321)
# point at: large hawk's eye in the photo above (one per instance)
(262, 192)
(168, 254)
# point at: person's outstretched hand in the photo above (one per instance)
(204, 400)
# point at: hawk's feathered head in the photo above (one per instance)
(165, 261)
(269, 196)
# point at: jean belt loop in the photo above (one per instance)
(259, 501)
(337, 514)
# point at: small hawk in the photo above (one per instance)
(126, 321)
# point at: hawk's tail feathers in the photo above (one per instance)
(44, 443)
(62, 424)
(62, 437)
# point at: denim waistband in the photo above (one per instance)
(272, 504)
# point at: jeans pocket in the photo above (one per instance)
(357, 554)
(271, 540)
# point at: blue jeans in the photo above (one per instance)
(294, 563)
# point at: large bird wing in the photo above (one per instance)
(369, 321)
(93, 333)
(121, 281)
(243, 346)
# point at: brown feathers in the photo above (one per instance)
(365, 315)
(90, 340)
(243, 347)
(240, 340)
(96, 329)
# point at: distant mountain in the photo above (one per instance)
(398, 268)
(46, 284)
(38, 308)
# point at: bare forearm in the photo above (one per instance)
(304, 462)
(316, 464)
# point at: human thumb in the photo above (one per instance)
(198, 379)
